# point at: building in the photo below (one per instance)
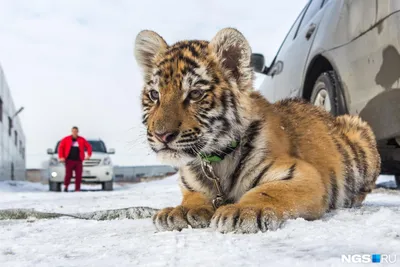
(140, 173)
(12, 138)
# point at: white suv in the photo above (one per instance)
(97, 170)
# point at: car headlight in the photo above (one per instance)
(107, 161)
(53, 162)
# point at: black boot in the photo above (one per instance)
(65, 189)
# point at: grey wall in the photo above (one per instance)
(11, 154)
(134, 173)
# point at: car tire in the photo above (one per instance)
(327, 93)
(397, 179)
(107, 186)
(54, 186)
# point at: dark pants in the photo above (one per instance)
(76, 166)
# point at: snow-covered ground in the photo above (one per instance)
(372, 229)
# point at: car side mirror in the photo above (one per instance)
(111, 151)
(50, 151)
(258, 63)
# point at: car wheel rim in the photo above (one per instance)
(322, 100)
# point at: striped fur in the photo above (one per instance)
(294, 159)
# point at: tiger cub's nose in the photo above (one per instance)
(166, 137)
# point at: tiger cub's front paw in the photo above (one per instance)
(181, 217)
(245, 219)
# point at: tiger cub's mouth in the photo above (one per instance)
(175, 157)
(178, 153)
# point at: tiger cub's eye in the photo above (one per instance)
(154, 95)
(196, 94)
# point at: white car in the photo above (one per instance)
(97, 170)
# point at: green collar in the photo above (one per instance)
(219, 156)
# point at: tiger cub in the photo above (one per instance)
(246, 165)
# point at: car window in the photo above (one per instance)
(312, 9)
(97, 146)
(292, 32)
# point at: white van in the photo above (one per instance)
(97, 170)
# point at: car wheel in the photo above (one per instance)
(54, 186)
(327, 93)
(107, 186)
(397, 179)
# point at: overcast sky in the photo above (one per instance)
(70, 62)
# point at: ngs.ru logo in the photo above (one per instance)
(369, 258)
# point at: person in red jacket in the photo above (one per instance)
(72, 151)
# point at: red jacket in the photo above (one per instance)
(66, 144)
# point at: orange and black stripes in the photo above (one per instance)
(348, 171)
(185, 184)
(246, 149)
(290, 172)
(261, 175)
(293, 159)
(334, 190)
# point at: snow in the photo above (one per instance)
(373, 228)
(153, 194)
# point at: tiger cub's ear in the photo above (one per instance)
(148, 45)
(234, 55)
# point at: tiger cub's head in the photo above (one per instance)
(193, 93)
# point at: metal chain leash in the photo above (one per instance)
(208, 170)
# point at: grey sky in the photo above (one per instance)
(70, 62)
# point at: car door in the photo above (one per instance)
(286, 73)
(368, 62)
(268, 86)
